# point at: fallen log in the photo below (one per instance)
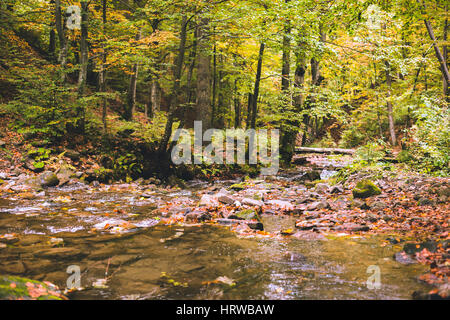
(324, 150)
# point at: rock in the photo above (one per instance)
(359, 204)
(336, 189)
(59, 253)
(9, 238)
(318, 205)
(2, 143)
(352, 227)
(196, 216)
(300, 160)
(64, 174)
(4, 176)
(252, 202)
(378, 205)
(29, 164)
(253, 225)
(226, 199)
(72, 155)
(284, 205)
(48, 179)
(239, 186)
(208, 201)
(322, 188)
(425, 202)
(309, 236)
(404, 258)
(307, 176)
(365, 189)
(17, 288)
(248, 214)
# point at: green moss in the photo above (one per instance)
(248, 214)
(13, 288)
(365, 189)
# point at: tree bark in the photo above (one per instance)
(203, 105)
(445, 84)
(84, 61)
(102, 75)
(439, 56)
(389, 104)
(130, 107)
(257, 83)
(173, 100)
(237, 106)
(63, 43)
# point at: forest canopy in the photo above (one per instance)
(350, 74)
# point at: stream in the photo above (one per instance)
(115, 233)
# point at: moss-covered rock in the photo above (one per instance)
(17, 288)
(248, 214)
(365, 189)
(48, 179)
(239, 186)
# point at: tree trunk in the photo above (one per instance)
(130, 107)
(173, 100)
(237, 106)
(203, 107)
(102, 75)
(287, 132)
(439, 56)
(214, 87)
(445, 84)
(63, 43)
(257, 82)
(389, 104)
(84, 61)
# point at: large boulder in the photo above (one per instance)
(365, 189)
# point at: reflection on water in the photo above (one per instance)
(173, 262)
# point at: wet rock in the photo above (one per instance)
(318, 205)
(252, 202)
(59, 253)
(336, 189)
(308, 236)
(208, 201)
(48, 179)
(307, 176)
(9, 238)
(322, 188)
(253, 225)
(284, 205)
(352, 227)
(365, 189)
(12, 267)
(64, 174)
(249, 214)
(195, 217)
(17, 288)
(226, 199)
(404, 258)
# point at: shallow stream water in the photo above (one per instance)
(157, 261)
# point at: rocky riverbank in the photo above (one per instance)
(410, 209)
